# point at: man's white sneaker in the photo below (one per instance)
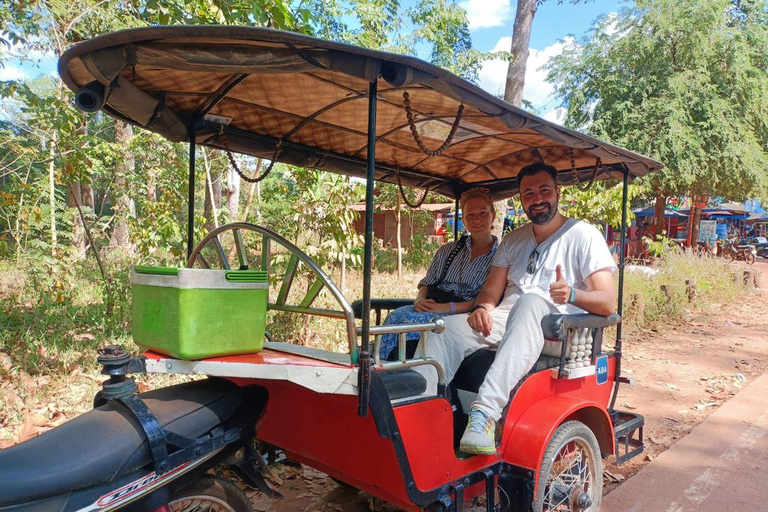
(479, 437)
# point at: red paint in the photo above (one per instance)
(325, 432)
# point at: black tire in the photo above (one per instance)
(210, 494)
(572, 443)
(750, 258)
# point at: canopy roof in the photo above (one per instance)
(250, 89)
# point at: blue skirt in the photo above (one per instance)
(403, 315)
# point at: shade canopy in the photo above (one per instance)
(303, 101)
(650, 211)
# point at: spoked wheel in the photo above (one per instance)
(571, 474)
(210, 494)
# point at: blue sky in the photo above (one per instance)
(491, 24)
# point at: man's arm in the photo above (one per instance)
(599, 298)
(480, 320)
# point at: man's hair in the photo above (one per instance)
(530, 170)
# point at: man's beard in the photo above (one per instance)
(542, 217)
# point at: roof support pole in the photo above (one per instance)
(456, 218)
(191, 200)
(620, 311)
(364, 375)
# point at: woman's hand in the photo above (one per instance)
(430, 306)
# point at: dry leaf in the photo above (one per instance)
(262, 504)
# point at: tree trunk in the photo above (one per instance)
(232, 194)
(212, 196)
(151, 186)
(52, 188)
(398, 236)
(248, 202)
(693, 228)
(123, 205)
(658, 212)
(521, 37)
(513, 90)
(74, 198)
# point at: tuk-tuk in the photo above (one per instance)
(385, 118)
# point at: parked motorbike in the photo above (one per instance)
(145, 452)
(730, 252)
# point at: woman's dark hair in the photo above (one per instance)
(530, 170)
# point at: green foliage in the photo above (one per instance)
(682, 81)
(598, 203)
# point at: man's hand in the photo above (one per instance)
(559, 290)
(430, 306)
(480, 320)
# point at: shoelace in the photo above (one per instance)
(479, 421)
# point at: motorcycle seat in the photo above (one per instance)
(107, 442)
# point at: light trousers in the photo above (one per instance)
(518, 339)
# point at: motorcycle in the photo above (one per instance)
(730, 252)
(141, 452)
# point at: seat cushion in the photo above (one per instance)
(472, 371)
(403, 383)
(107, 442)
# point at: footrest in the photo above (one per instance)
(628, 430)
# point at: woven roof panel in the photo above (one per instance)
(311, 97)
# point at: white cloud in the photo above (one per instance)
(8, 72)
(487, 13)
(493, 75)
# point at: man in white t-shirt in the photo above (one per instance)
(551, 265)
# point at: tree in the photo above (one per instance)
(683, 81)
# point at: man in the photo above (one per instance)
(551, 265)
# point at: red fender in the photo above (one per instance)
(526, 440)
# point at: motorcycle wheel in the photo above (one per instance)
(210, 494)
(571, 473)
(750, 258)
(727, 255)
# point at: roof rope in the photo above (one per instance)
(598, 166)
(417, 136)
(402, 192)
(265, 173)
(575, 177)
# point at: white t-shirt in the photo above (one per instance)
(577, 247)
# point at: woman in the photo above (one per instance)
(456, 274)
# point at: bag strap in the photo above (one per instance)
(456, 248)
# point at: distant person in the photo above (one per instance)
(456, 274)
(551, 265)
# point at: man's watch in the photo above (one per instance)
(475, 308)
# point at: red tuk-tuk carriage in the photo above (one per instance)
(366, 422)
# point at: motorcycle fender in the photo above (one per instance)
(526, 440)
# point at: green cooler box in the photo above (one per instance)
(195, 313)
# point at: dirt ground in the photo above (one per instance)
(682, 375)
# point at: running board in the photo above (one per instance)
(628, 431)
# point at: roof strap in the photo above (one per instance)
(256, 179)
(598, 166)
(417, 136)
(413, 206)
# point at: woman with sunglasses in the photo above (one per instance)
(456, 274)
